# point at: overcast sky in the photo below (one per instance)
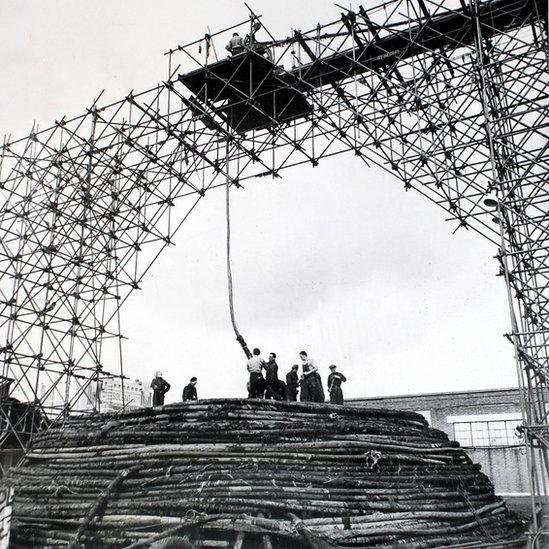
(337, 260)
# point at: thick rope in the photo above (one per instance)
(239, 337)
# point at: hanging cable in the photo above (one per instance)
(239, 337)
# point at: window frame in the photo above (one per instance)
(483, 434)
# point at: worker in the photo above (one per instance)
(261, 48)
(235, 45)
(292, 383)
(273, 389)
(160, 387)
(249, 39)
(257, 383)
(189, 392)
(334, 385)
(311, 384)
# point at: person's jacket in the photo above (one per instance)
(335, 379)
(160, 385)
(292, 381)
(271, 371)
(189, 392)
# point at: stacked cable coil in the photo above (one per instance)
(253, 474)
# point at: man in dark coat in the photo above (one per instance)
(189, 392)
(292, 383)
(272, 383)
(335, 379)
(160, 387)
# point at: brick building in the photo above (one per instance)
(483, 422)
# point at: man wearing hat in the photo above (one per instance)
(334, 385)
(292, 383)
(160, 387)
(189, 392)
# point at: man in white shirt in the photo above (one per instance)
(311, 384)
(257, 382)
(235, 45)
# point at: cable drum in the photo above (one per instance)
(254, 473)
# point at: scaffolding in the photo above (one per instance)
(450, 98)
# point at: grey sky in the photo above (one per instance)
(337, 260)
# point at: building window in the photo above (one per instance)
(487, 433)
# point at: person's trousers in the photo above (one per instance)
(311, 389)
(257, 385)
(336, 395)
